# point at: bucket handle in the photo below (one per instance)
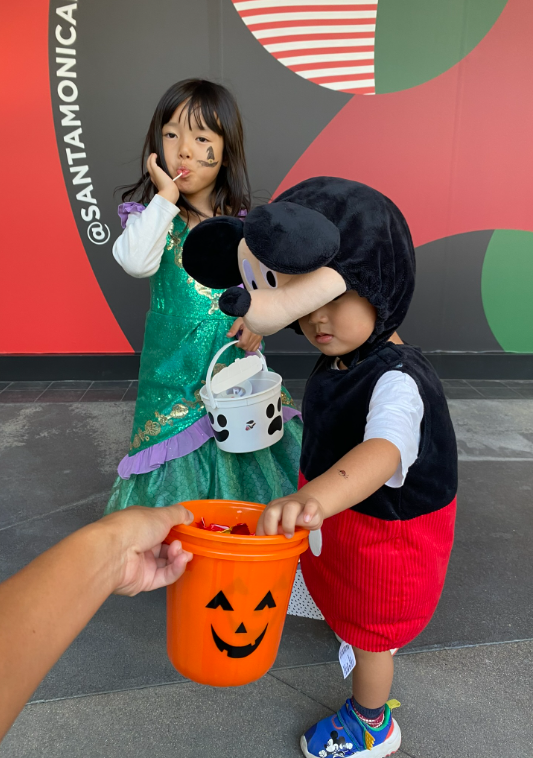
(209, 376)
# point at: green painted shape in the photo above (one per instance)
(416, 40)
(507, 289)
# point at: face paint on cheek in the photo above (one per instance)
(210, 162)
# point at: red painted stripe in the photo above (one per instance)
(341, 78)
(340, 22)
(333, 64)
(332, 35)
(51, 301)
(326, 51)
(306, 9)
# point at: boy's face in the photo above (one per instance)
(340, 326)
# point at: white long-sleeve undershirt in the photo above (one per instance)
(140, 246)
(395, 414)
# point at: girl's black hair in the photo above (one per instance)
(217, 108)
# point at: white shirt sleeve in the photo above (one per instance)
(395, 414)
(140, 246)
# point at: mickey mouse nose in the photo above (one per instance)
(235, 301)
(241, 629)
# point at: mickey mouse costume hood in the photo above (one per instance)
(317, 240)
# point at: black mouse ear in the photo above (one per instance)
(291, 239)
(210, 252)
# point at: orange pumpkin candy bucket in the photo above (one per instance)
(225, 615)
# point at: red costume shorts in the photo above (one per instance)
(378, 582)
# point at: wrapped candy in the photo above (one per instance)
(240, 529)
(222, 529)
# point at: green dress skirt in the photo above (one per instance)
(173, 456)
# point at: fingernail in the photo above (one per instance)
(307, 518)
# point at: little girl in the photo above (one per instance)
(196, 169)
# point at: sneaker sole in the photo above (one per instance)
(390, 746)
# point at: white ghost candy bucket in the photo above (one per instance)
(243, 402)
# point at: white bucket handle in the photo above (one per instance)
(212, 365)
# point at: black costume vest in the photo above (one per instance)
(335, 409)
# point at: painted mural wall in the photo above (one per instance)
(428, 101)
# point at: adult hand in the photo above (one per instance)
(165, 186)
(283, 515)
(145, 562)
(248, 340)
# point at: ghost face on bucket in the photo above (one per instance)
(258, 617)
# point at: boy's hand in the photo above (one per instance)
(248, 340)
(165, 186)
(283, 515)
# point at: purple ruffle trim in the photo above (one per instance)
(181, 444)
(125, 209)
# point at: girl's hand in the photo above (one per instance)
(248, 340)
(166, 187)
(283, 515)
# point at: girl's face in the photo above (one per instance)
(340, 326)
(193, 149)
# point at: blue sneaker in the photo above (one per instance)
(345, 734)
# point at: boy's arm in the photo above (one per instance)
(353, 478)
(46, 605)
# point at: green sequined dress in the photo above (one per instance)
(173, 456)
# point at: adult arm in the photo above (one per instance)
(45, 606)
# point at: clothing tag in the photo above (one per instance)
(393, 704)
(346, 658)
(315, 541)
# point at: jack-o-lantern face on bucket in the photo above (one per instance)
(239, 651)
(225, 615)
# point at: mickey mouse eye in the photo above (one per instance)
(266, 602)
(269, 276)
(220, 601)
(249, 275)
